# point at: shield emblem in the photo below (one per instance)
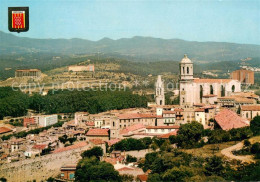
(18, 19)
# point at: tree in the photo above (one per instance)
(255, 148)
(130, 158)
(154, 177)
(189, 135)
(255, 125)
(91, 169)
(127, 178)
(247, 143)
(177, 174)
(214, 166)
(95, 151)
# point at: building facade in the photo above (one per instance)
(45, 120)
(193, 90)
(76, 68)
(34, 73)
(244, 76)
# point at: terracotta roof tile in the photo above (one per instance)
(4, 130)
(138, 115)
(228, 119)
(163, 127)
(142, 177)
(90, 123)
(98, 132)
(113, 141)
(132, 128)
(169, 112)
(211, 80)
(167, 135)
(125, 169)
(96, 141)
(40, 146)
(71, 147)
(250, 108)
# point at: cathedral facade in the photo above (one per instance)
(197, 91)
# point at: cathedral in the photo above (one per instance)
(197, 91)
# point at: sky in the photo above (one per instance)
(235, 21)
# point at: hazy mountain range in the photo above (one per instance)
(136, 48)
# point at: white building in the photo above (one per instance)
(159, 92)
(46, 120)
(195, 90)
(76, 68)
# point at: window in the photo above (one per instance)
(113, 123)
(211, 89)
(183, 70)
(62, 174)
(162, 130)
(222, 91)
(201, 93)
(72, 176)
(233, 88)
(247, 115)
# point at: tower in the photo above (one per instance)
(186, 68)
(159, 91)
(186, 80)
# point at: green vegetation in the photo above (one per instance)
(132, 144)
(90, 101)
(12, 103)
(95, 151)
(219, 136)
(16, 103)
(130, 158)
(249, 149)
(189, 135)
(255, 125)
(64, 139)
(91, 169)
(173, 165)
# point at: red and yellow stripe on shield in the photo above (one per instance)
(18, 19)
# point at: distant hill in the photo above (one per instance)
(136, 48)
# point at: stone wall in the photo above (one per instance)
(40, 168)
(138, 153)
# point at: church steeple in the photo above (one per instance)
(186, 68)
(159, 91)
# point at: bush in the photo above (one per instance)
(130, 144)
(255, 148)
(247, 143)
(91, 169)
(130, 158)
(189, 135)
(255, 125)
(95, 151)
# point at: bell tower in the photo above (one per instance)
(186, 80)
(186, 68)
(159, 92)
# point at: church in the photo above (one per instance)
(195, 91)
